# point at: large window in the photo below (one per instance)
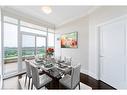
(10, 48)
(39, 37)
(28, 45)
(23, 40)
(32, 45)
(28, 48)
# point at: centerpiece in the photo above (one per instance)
(50, 52)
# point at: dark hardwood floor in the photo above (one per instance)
(88, 80)
(95, 84)
(13, 83)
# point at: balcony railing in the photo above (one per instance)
(15, 59)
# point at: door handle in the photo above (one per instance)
(101, 56)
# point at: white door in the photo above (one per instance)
(113, 54)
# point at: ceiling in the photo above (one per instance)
(60, 14)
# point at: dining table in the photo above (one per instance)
(55, 69)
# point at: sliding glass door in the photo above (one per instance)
(40, 46)
(28, 48)
(21, 40)
(32, 45)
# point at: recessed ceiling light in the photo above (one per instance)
(47, 9)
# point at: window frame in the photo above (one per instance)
(19, 39)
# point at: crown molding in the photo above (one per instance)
(75, 18)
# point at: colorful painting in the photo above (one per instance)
(69, 40)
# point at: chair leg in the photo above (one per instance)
(29, 84)
(79, 85)
(32, 85)
(25, 80)
(45, 87)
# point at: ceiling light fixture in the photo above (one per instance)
(47, 9)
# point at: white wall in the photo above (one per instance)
(1, 81)
(99, 16)
(0, 43)
(57, 45)
(88, 37)
(79, 54)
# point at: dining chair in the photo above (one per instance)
(28, 72)
(68, 60)
(39, 81)
(73, 80)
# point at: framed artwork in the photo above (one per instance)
(69, 40)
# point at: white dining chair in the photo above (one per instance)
(28, 72)
(73, 80)
(39, 81)
(68, 60)
(57, 58)
(36, 57)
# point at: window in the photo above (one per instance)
(25, 29)
(51, 40)
(10, 48)
(41, 46)
(23, 23)
(28, 45)
(10, 20)
(29, 41)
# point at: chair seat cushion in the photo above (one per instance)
(44, 79)
(66, 81)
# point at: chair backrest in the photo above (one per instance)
(68, 60)
(58, 58)
(28, 68)
(37, 57)
(35, 75)
(75, 75)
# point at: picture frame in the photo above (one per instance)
(69, 40)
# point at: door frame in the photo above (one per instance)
(98, 41)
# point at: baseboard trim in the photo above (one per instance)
(84, 71)
(87, 72)
(93, 75)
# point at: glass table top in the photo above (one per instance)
(56, 70)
